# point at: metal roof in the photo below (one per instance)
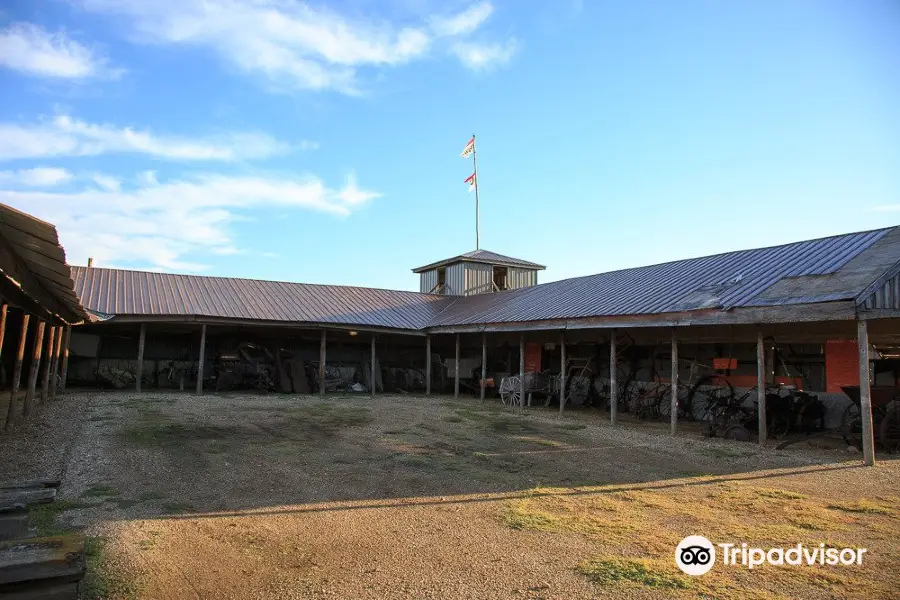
(34, 268)
(815, 271)
(821, 270)
(123, 292)
(482, 256)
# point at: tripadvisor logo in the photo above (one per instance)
(696, 555)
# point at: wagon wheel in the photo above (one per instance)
(851, 426)
(510, 390)
(889, 431)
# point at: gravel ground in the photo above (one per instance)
(247, 496)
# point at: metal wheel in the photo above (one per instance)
(737, 433)
(851, 426)
(889, 431)
(510, 388)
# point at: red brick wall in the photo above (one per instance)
(533, 357)
(841, 364)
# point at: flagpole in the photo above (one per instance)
(475, 167)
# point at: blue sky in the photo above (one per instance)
(320, 142)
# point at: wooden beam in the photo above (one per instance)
(562, 371)
(65, 359)
(202, 359)
(322, 346)
(613, 379)
(17, 372)
(3, 310)
(372, 377)
(865, 394)
(483, 363)
(673, 417)
(57, 362)
(456, 372)
(35, 368)
(427, 365)
(761, 387)
(142, 338)
(45, 378)
(522, 371)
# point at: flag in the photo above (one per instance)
(471, 181)
(469, 149)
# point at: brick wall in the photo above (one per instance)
(841, 364)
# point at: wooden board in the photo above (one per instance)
(14, 526)
(59, 557)
(29, 484)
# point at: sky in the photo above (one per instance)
(320, 141)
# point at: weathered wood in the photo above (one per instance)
(456, 371)
(59, 557)
(613, 379)
(56, 364)
(50, 589)
(202, 359)
(323, 342)
(29, 484)
(142, 338)
(483, 363)
(372, 374)
(16, 500)
(48, 365)
(562, 371)
(65, 359)
(428, 365)
(3, 311)
(14, 526)
(673, 427)
(522, 371)
(761, 387)
(35, 367)
(865, 394)
(17, 373)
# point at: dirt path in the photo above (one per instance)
(402, 497)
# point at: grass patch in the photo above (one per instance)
(522, 517)
(44, 518)
(100, 580)
(571, 426)
(540, 441)
(612, 571)
(178, 507)
(453, 419)
(99, 491)
(862, 506)
(777, 494)
(510, 426)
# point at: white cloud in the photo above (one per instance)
(291, 43)
(485, 57)
(65, 136)
(106, 182)
(159, 225)
(30, 49)
(36, 177)
(465, 22)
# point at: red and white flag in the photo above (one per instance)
(469, 149)
(471, 181)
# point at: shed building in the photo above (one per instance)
(477, 272)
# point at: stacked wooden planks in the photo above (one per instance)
(35, 567)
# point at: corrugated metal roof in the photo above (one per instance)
(38, 268)
(123, 292)
(818, 270)
(823, 270)
(482, 256)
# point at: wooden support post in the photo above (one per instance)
(456, 371)
(865, 393)
(761, 388)
(562, 371)
(613, 379)
(428, 365)
(57, 363)
(202, 359)
(674, 406)
(48, 362)
(35, 368)
(3, 311)
(17, 373)
(322, 345)
(65, 359)
(483, 363)
(142, 338)
(372, 382)
(522, 371)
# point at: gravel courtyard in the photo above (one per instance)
(247, 496)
